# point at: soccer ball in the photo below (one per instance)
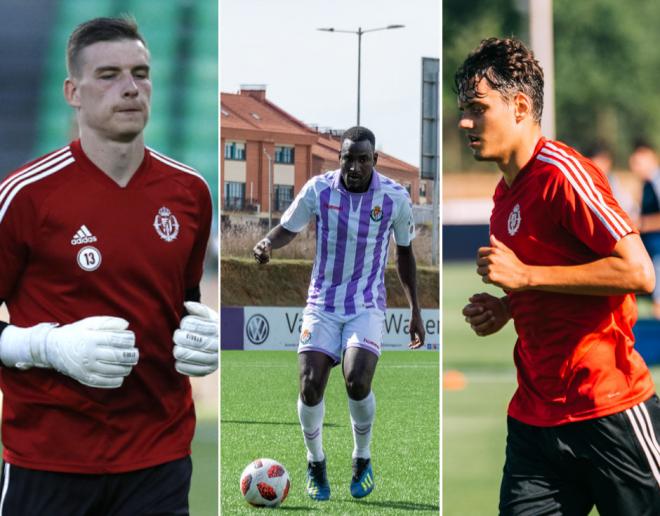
(265, 483)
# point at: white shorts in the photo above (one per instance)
(332, 333)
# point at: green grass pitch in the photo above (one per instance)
(474, 419)
(259, 419)
(203, 497)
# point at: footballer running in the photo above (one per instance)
(101, 250)
(584, 423)
(356, 209)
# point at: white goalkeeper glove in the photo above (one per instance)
(196, 341)
(97, 351)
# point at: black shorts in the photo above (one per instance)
(159, 490)
(611, 462)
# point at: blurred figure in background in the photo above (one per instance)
(644, 164)
(601, 154)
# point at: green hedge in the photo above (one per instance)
(285, 282)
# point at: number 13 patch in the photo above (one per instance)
(89, 258)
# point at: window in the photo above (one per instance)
(235, 151)
(285, 155)
(234, 195)
(283, 197)
(422, 188)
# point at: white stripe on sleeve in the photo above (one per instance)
(615, 230)
(589, 187)
(23, 181)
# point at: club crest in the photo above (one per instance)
(376, 213)
(513, 224)
(305, 336)
(166, 225)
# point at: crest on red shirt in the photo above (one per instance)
(166, 225)
(514, 220)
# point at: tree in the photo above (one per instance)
(606, 65)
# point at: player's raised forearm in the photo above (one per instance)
(276, 238)
(279, 236)
(406, 268)
(607, 276)
(629, 269)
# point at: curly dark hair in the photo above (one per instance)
(358, 134)
(508, 66)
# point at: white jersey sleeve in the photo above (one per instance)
(302, 209)
(403, 225)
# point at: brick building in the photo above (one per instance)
(257, 136)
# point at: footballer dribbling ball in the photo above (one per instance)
(265, 483)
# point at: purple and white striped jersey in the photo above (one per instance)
(352, 238)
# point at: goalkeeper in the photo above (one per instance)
(102, 245)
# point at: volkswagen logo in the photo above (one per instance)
(257, 329)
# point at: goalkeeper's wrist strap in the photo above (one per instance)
(25, 347)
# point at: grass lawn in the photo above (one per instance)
(474, 418)
(259, 419)
(204, 487)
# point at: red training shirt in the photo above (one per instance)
(75, 244)
(574, 353)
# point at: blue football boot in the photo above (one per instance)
(362, 482)
(318, 487)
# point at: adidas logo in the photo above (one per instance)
(83, 236)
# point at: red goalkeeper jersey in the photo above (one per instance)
(74, 244)
(574, 354)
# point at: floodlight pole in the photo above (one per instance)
(359, 33)
(542, 43)
(270, 190)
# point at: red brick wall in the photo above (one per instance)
(302, 167)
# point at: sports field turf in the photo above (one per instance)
(259, 419)
(203, 497)
(474, 418)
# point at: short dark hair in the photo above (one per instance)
(598, 147)
(508, 66)
(358, 133)
(642, 143)
(98, 29)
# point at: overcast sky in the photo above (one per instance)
(313, 75)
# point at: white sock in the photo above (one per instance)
(311, 421)
(363, 413)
